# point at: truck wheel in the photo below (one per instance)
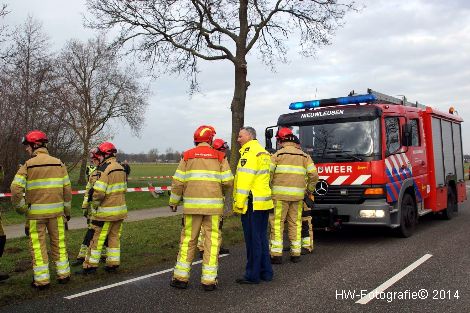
(408, 216)
(449, 212)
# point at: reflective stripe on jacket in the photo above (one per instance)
(86, 197)
(45, 181)
(290, 168)
(252, 176)
(201, 180)
(109, 190)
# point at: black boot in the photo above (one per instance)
(111, 269)
(86, 271)
(223, 250)
(276, 260)
(40, 287)
(4, 276)
(210, 287)
(78, 261)
(295, 258)
(176, 283)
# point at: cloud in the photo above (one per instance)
(416, 48)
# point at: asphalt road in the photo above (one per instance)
(344, 263)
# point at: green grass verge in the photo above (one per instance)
(145, 244)
(135, 200)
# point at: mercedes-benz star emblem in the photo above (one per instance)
(321, 188)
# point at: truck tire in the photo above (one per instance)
(449, 212)
(408, 216)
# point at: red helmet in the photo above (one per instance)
(204, 133)
(35, 137)
(106, 148)
(219, 144)
(284, 133)
(94, 154)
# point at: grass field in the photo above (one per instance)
(135, 200)
(145, 244)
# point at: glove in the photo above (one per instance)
(21, 208)
(238, 210)
(85, 212)
(173, 208)
(67, 209)
(26, 230)
(67, 217)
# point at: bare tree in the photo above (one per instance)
(25, 78)
(176, 34)
(95, 87)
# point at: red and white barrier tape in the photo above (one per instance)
(149, 177)
(135, 189)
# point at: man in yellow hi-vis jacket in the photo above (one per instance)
(201, 180)
(45, 181)
(252, 199)
(290, 168)
(110, 210)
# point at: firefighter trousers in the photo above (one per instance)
(292, 211)
(102, 230)
(202, 236)
(86, 243)
(37, 239)
(192, 224)
(307, 233)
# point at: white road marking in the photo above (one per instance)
(371, 295)
(81, 294)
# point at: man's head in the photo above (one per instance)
(219, 145)
(106, 150)
(204, 133)
(284, 134)
(246, 134)
(33, 140)
(94, 156)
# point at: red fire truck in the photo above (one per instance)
(381, 160)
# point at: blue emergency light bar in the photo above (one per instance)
(333, 101)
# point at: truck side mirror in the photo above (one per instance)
(407, 140)
(268, 134)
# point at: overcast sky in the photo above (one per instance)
(417, 48)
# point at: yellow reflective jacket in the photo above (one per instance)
(109, 192)
(45, 181)
(87, 197)
(252, 176)
(201, 180)
(290, 169)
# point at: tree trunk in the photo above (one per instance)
(238, 120)
(238, 112)
(81, 178)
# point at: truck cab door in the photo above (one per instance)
(416, 155)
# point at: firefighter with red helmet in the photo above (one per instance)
(201, 180)
(222, 146)
(45, 182)
(87, 209)
(290, 169)
(108, 211)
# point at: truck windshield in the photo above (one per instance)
(342, 141)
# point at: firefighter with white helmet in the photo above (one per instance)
(290, 169)
(45, 182)
(109, 211)
(201, 180)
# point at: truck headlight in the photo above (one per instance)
(371, 213)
